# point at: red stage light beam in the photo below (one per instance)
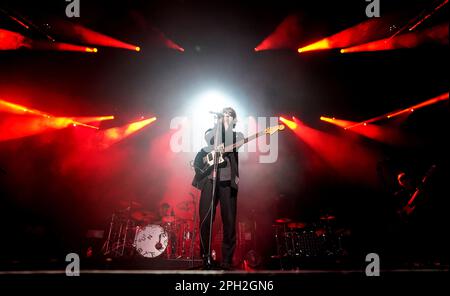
(71, 47)
(9, 107)
(344, 154)
(15, 19)
(437, 34)
(18, 126)
(286, 35)
(92, 37)
(427, 16)
(166, 41)
(378, 133)
(11, 40)
(410, 109)
(116, 134)
(339, 122)
(92, 119)
(60, 46)
(362, 32)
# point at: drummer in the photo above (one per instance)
(166, 218)
(166, 214)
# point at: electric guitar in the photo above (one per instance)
(204, 161)
(411, 205)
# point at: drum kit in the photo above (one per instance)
(134, 231)
(308, 240)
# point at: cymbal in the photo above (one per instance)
(186, 205)
(143, 216)
(283, 220)
(130, 203)
(343, 232)
(327, 217)
(296, 225)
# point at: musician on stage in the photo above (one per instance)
(166, 218)
(406, 190)
(410, 236)
(226, 189)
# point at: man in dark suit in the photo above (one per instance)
(226, 189)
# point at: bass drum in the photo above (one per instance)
(151, 240)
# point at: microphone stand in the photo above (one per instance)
(192, 247)
(218, 133)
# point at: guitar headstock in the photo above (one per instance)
(429, 173)
(271, 130)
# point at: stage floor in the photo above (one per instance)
(220, 282)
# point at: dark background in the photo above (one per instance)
(53, 190)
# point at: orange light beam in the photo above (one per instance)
(19, 109)
(319, 45)
(338, 122)
(434, 100)
(92, 119)
(76, 123)
(6, 106)
(116, 134)
(371, 29)
(374, 132)
(64, 47)
(91, 49)
(19, 126)
(291, 124)
(135, 126)
(427, 16)
(437, 34)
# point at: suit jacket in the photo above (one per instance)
(201, 178)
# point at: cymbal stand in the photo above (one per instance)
(106, 246)
(127, 225)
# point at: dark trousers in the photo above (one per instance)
(227, 196)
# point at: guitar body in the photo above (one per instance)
(208, 160)
(408, 210)
(204, 163)
(404, 214)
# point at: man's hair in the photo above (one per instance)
(209, 137)
(232, 113)
(402, 178)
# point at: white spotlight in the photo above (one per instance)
(202, 119)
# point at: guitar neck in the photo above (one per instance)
(421, 186)
(231, 147)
